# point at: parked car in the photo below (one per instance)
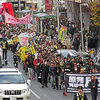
(13, 85)
(72, 53)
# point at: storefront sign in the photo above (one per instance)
(48, 5)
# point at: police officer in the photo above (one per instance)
(93, 85)
(80, 95)
(4, 46)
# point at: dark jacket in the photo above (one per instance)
(76, 96)
(51, 70)
(57, 71)
(93, 83)
(68, 69)
(44, 70)
(76, 44)
(30, 62)
(15, 58)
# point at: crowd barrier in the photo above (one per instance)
(75, 80)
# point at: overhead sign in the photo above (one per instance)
(75, 80)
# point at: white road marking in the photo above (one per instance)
(34, 94)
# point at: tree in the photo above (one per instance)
(95, 13)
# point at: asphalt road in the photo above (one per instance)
(39, 93)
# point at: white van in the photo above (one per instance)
(13, 85)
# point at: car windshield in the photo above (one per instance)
(65, 54)
(11, 79)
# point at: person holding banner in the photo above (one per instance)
(80, 95)
(93, 85)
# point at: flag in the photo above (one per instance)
(63, 33)
(7, 7)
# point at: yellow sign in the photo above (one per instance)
(63, 33)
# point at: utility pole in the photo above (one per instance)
(58, 21)
(32, 16)
(81, 20)
(19, 5)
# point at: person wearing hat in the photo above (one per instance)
(4, 46)
(80, 95)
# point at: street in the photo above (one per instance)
(39, 93)
(58, 45)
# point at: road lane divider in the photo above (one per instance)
(35, 94)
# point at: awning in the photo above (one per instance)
(27, 11)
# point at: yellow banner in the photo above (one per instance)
(63, 33)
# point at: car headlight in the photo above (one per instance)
(1, 91)
(25, 90)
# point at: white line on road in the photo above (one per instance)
(35, 94)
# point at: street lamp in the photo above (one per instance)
(81, 20)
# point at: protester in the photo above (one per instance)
(15, 59)
(29, 63)
(44, 73)
(57, 72)
(37, 62)
(93, 85)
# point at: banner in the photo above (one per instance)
(12, 20)
(7, 7)
(75, 80)
(63, 33)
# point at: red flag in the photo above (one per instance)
(7, 7)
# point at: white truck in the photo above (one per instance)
(13, 85)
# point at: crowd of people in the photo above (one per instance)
(46, 65)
